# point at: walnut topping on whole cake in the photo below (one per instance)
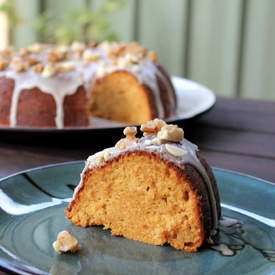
(49, 71)
(90, 56)
(67, 66)
(19, 65)
(35, 48)
(56, 55)
(3, 64)
(65, 242)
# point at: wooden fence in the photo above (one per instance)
(228, 45)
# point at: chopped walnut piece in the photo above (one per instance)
(117, 51)
(63, 50)
(65, 67)
(175, 151)
(49, 71)
(130, 132)
(100, 157)
(19, 65)
(65, 242)
(3, 64)
(170, 133)
(55, 56)
(35, 48)
(24, 52)
(32, 61)
(78, 46)
(7, 53)
(108, 46)
(90, 56)
(125, 143)
(152, 127)
(93, 44)
(152, 56)
(136, 49)
(38, 68)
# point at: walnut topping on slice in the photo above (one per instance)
(152, 127)
(3, 64)
(49, 71)
(19, 65)
(124, 143)
(100, 157)
(175, 151)
(170, 133)
(65, 242)
(130, 133)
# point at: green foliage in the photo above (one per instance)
(10, 10)
(79, 23)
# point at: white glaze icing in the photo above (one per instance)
(59, 86)
(63, 84)
(143, 145)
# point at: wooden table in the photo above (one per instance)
(236, 134)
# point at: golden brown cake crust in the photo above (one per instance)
(188, 173)
(38, 109)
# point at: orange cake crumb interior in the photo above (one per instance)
(142, 198)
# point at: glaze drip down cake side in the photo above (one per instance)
(156, 189)
(62, 86)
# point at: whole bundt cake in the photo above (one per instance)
(156, 189)
(56, 86)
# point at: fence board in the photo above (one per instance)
(258, 68)
(162, 28)
(122, 20)
(214, 44)
(25, 33)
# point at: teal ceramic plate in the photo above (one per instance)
(32, 214)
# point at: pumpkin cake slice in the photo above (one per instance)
(156, 189)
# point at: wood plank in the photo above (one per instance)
(162, 28)
(247, 105)
(241, 115)
(123, 22)
(232, 141)
(258, 68)
(214, 44)
(254, 166)
(25, 33)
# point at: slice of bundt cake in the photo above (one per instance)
(155, 189)
(131, 86)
